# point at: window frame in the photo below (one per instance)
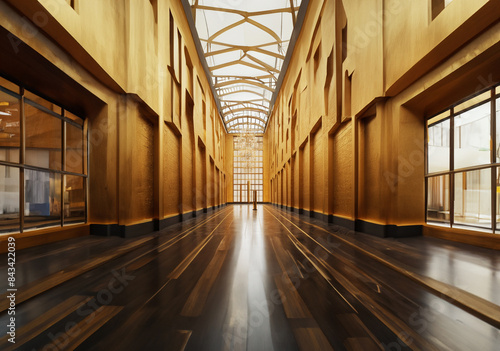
(493, 165)
(63, 173)
(242, 175)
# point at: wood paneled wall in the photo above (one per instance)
(156, 143)
(362, 80)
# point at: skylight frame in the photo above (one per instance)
(262, 88)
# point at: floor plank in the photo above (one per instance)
(239, 279)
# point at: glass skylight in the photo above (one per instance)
(245, 44)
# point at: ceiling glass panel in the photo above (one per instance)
(245, 43)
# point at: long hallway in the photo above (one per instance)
(134, 134)
(239, 279)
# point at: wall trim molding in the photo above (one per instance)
(154, 225)
(360, 225)
(44, 236)
(462, 235)
(249, 203)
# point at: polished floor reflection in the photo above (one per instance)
(239, 279)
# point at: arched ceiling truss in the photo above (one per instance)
(245, 44)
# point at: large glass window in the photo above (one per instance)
(74, 149)
(497, 148)
(42, 205)
(439, 145)
(50, 173)
(74, 198)
(472, 137)
(438, 198)
(497, 197)
(10, 132)
(9, 199)
(43, 139)
(463, 192)
(473, 198)
(248, 168)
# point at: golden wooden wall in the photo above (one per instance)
(347, 130)
(156, 143)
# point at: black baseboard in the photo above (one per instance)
(359, 225)
(343, 222)
(128, 231)
(406, 231)
(388, 230)
(198, 213)
(105, 229)
(371, 228)
(125, 231)
(321, 216)
(165, 222)
(248, 203)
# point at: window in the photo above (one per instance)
(248, 168)
(9, 199)
(73, 4)
(438, 199)
(10, 130)
(245, 45)
(437, 6)
(171, 41)
(52, 172)
(462, 176)
(317, 58)
(472, 203)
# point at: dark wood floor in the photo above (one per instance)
(239, 279)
